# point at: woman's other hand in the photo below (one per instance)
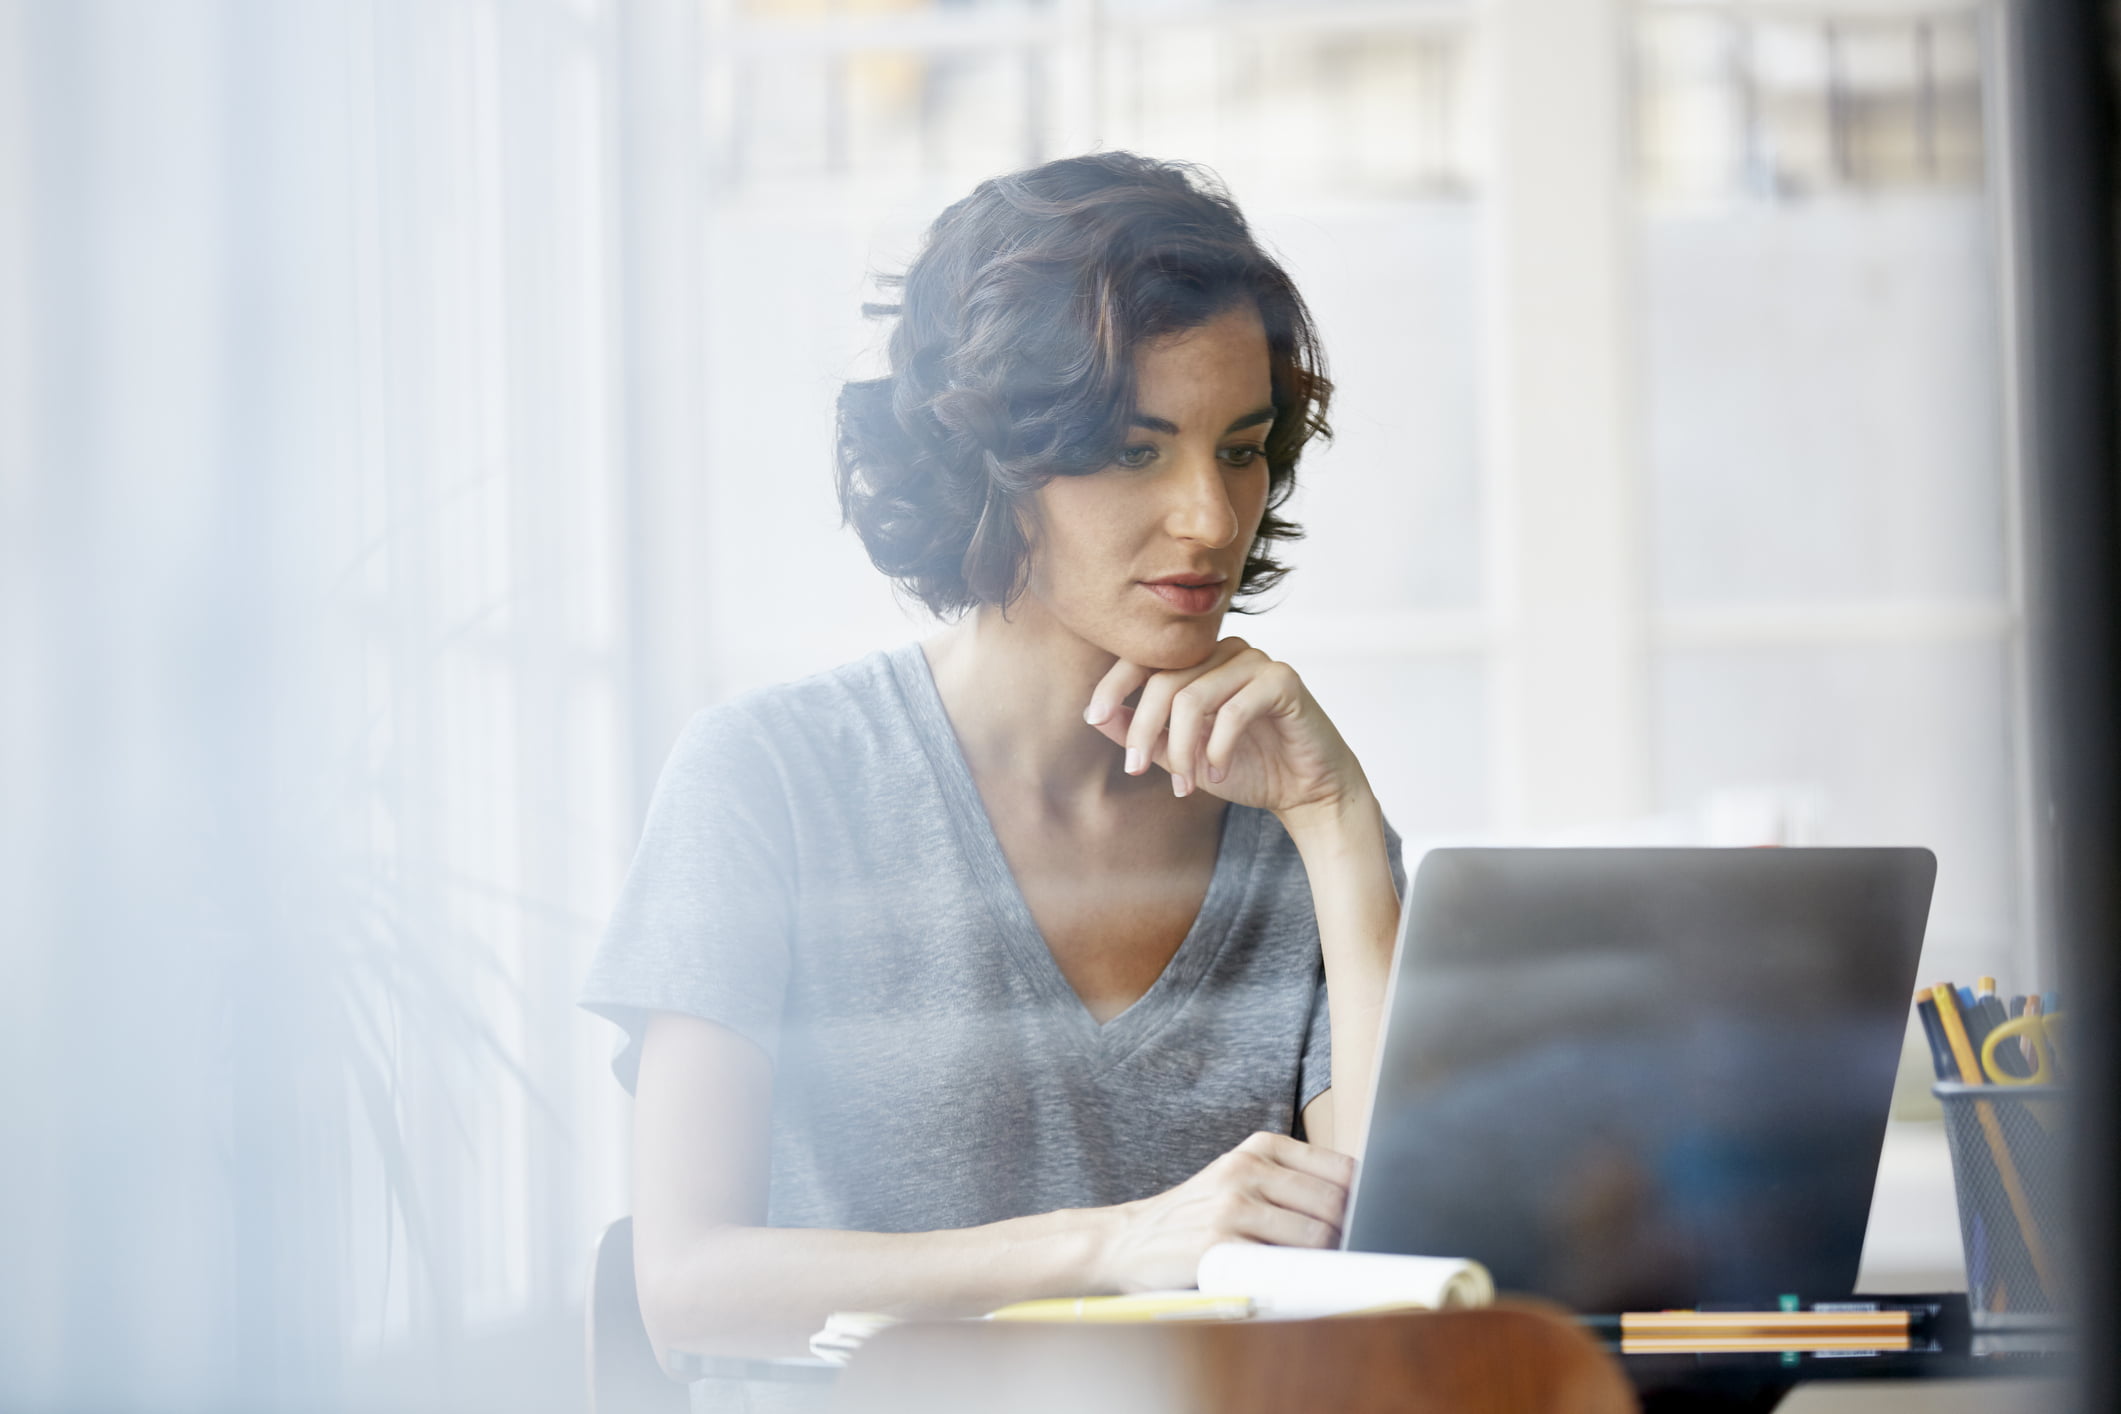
(1239, 725)
(1270, 1189)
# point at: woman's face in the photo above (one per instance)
(1140, 559)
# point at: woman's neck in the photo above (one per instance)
(1015, 688)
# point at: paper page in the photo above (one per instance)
(1296, 1281)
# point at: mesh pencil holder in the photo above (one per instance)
(2010, 1164)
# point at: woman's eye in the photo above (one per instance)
(1135, 456)
(1242, 456)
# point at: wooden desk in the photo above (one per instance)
(1507, 1358)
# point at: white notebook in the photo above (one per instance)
(1293, 1282)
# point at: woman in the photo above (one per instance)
(1010, 964)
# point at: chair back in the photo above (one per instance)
(624, 1375)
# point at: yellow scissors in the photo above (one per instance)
(2040, 1036)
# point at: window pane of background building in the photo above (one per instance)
(1831, 504)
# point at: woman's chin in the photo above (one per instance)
(1171, 646)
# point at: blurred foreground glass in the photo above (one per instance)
(417, 402)
(309, 678)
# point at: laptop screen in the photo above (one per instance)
(1641, 1078)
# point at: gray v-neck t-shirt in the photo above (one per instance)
(818, 874)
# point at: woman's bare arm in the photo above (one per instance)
(1357, 904)
(714, 1278)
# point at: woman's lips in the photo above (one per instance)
(1186, 596)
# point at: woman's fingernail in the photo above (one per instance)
(1134, 761)
(1215, 774)
(1094, 714)
(1180, 785)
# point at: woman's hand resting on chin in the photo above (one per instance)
(1271, 1189)
(1239, 725)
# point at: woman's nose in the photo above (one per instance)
(1200, 508)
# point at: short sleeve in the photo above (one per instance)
(1316, 1076)
(703, 921)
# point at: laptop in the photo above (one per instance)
(1631, 1079)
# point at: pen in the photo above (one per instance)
(1973, 1014)
(2050, 1037)
(1933, 1032)
(2027, 1046)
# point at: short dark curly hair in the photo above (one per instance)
(1012, 362)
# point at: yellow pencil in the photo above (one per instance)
(1955, 1033)
(1674, 1324)
(1150, 1306)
